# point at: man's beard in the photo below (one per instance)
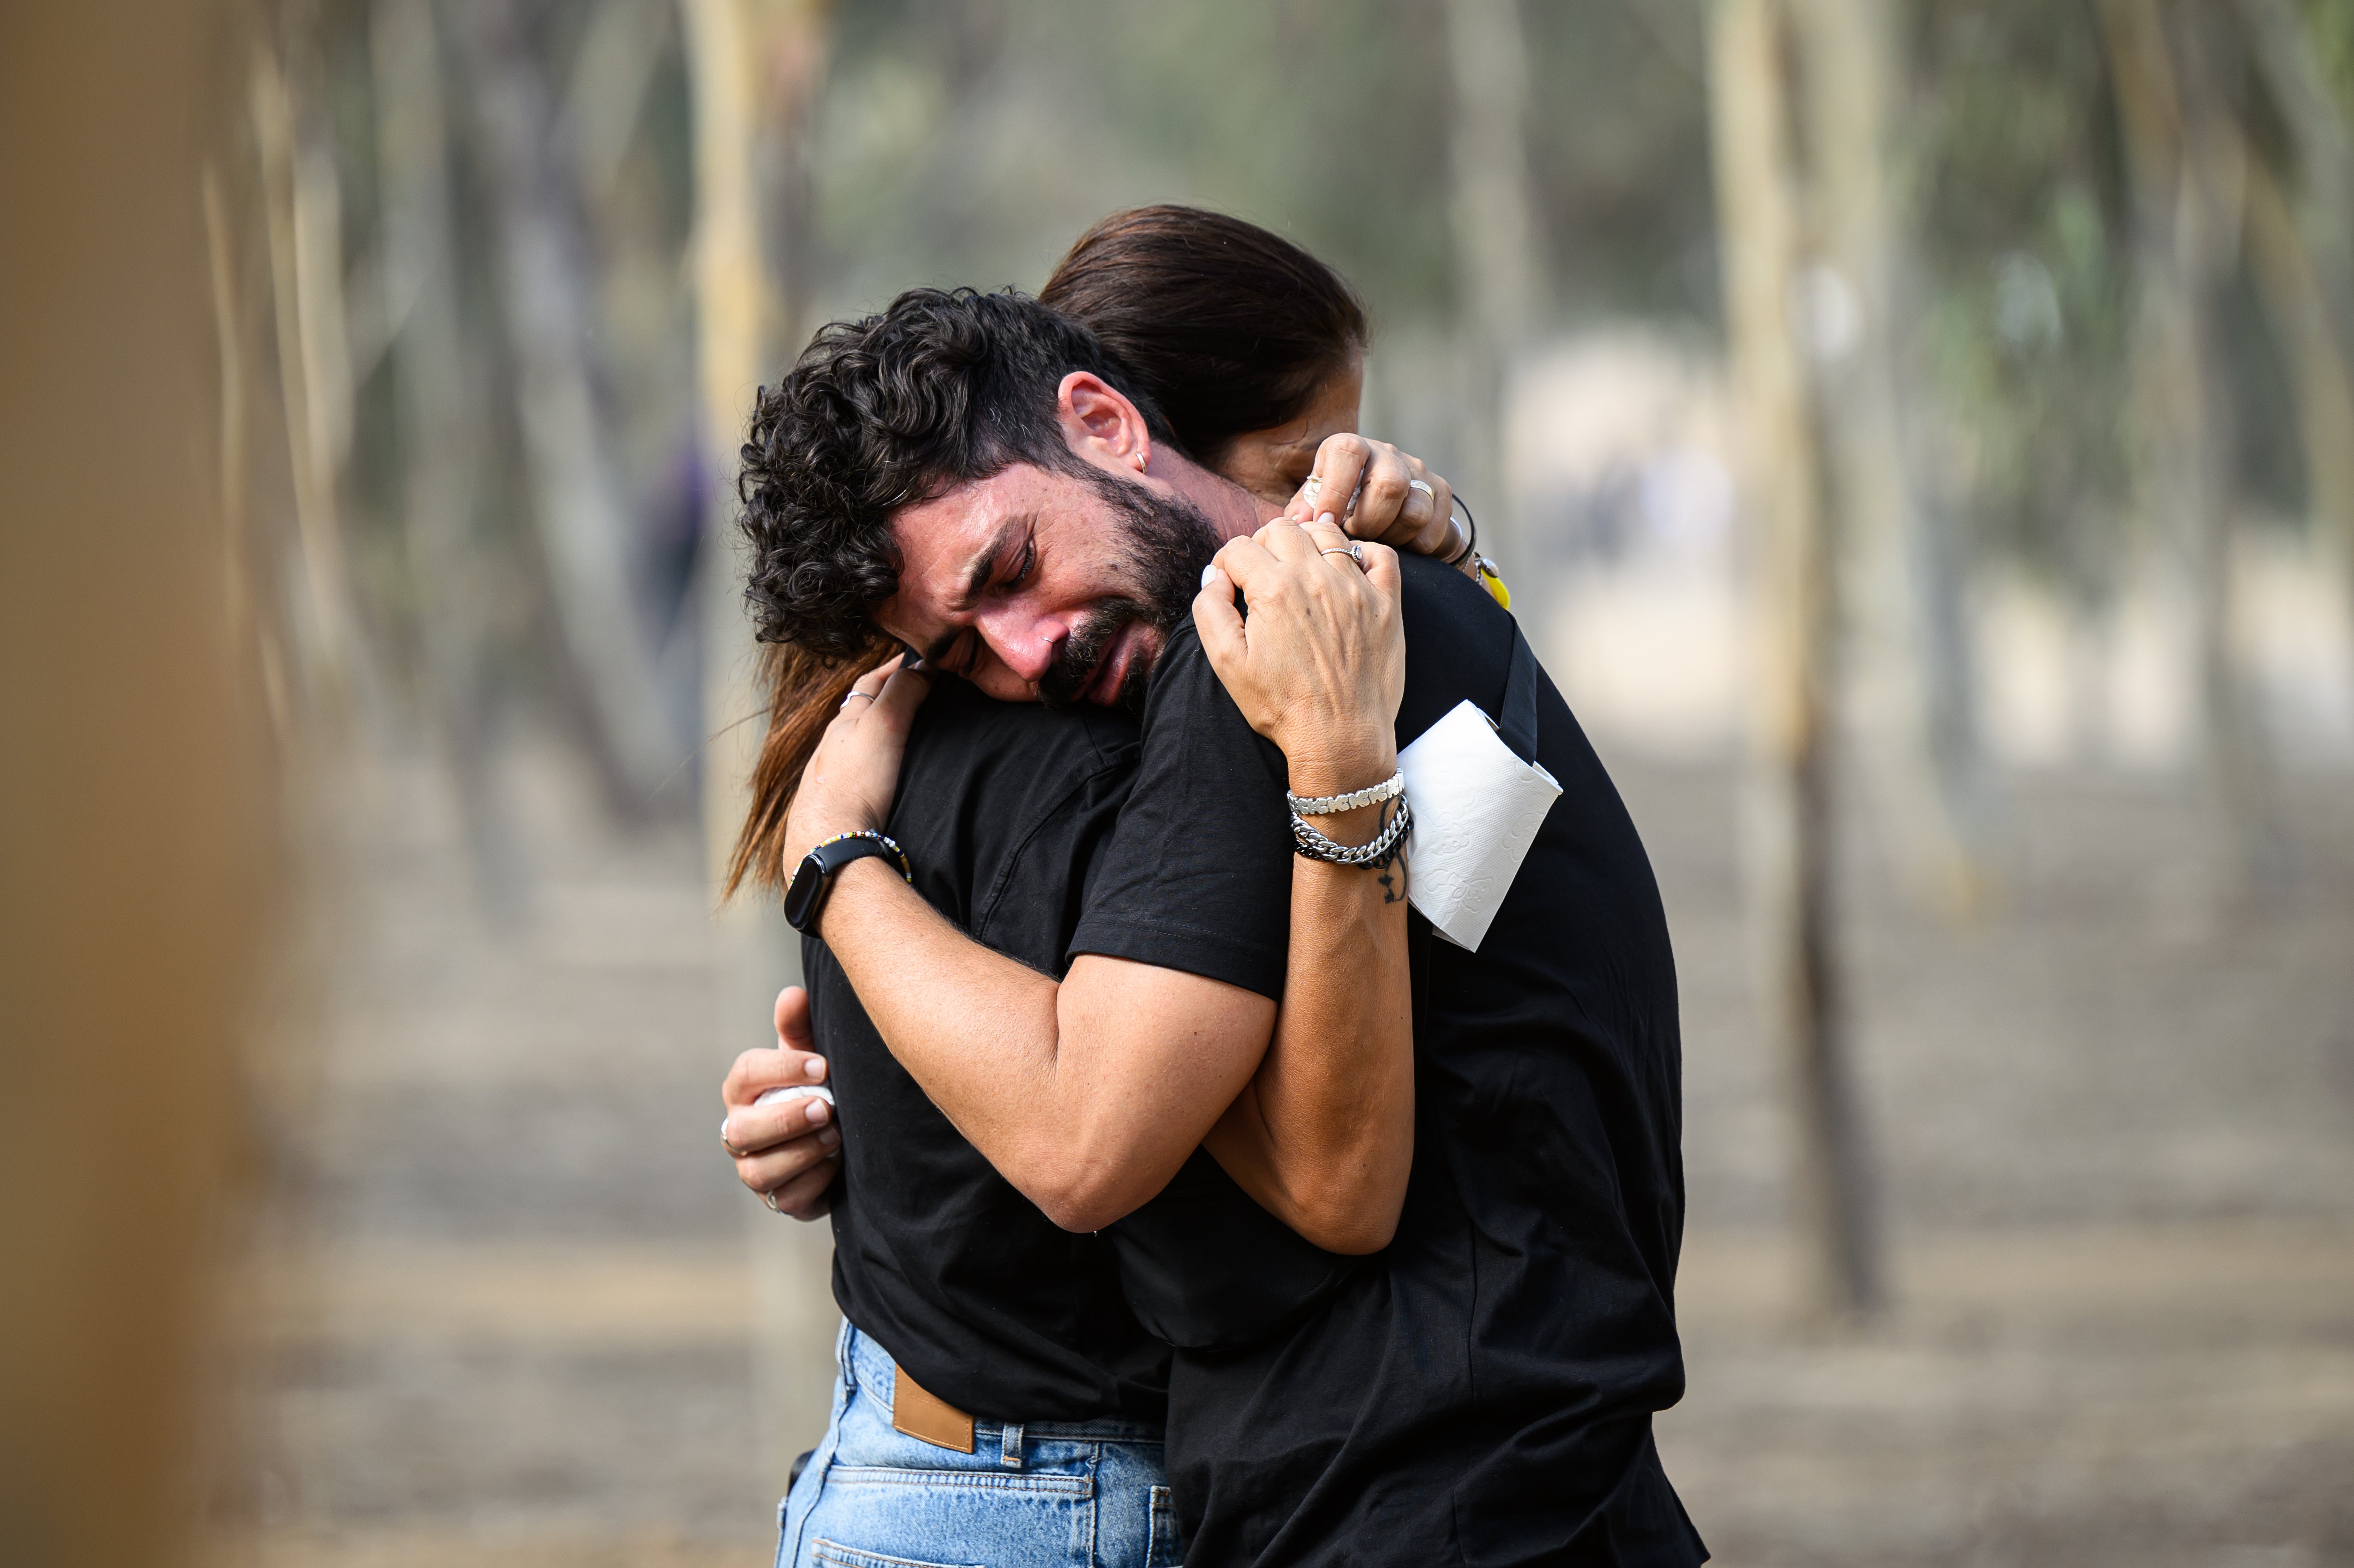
(1169, 540)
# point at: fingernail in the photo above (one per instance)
(1205, 575)
(830, 1141)
(817, 1066)
(818, 1112)
(1326, 517)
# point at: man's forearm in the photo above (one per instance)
(1323, 1135)
(1087, 1095)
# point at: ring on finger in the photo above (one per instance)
(732, 1152)
(1425, 487)
(770, 1199)
(1355, 552)
(868, 695)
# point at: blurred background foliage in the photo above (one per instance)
(2001, 678)
(966, 141)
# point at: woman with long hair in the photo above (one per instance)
(958, 1295)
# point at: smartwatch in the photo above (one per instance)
(805, 895)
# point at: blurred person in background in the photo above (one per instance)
(1322, 1406)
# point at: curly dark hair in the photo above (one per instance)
(942, 388)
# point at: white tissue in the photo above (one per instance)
(778, 1096)
(1476, 809)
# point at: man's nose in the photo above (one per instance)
(1025, 644)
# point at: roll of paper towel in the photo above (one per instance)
(1476, 809)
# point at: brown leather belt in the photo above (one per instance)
(927, 1416)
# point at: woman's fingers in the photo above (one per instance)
(763, 1168)
(1218, 621)
(750, 1130)
(1384, 506)
(806, 1196)
(1333, 484)
(793, 1033)
(758, 1071)
(901, 693)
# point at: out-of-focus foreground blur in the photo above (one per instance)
(1920, 438)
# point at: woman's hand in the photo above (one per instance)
(1318, 668)
(788, 1153)
(853, 773)
(1376, 492)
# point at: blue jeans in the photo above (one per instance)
(1088, 1494)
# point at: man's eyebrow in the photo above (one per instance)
(984, 566)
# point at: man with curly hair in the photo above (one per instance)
(1457, 1364)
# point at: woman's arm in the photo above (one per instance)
(1085, 1095)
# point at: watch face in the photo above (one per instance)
(803, 893)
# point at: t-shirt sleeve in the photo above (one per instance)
(1197, 874)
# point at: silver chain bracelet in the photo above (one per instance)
(1306, 841)
(1389, 788)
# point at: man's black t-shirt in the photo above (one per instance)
(984, 1300)
(1481, 1391)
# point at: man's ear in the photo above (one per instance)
(1102, 425)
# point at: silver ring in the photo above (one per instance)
(868, 695)
(770, 1199)
(1418, 485)
(732, 1152)
(1355, 552)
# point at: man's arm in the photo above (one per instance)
(1322, 1136)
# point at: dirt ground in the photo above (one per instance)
(518, 1318)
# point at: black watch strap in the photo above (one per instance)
(814, 876)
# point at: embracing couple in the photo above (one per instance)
(1193, 1197)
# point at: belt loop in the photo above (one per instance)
(1008, 1445)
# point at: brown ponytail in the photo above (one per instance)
(1229, 328)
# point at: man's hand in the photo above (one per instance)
(1376, 492)
(790, 1153)
(1320, 666)
(851, 778)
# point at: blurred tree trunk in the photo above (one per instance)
(1905, 660)
(136, 847)
(2185, 166)
(1789, 804)
(585, 542)
(1498, 257)
(754, 66)
(303, 217)
(2303, 256)
(441, 402)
